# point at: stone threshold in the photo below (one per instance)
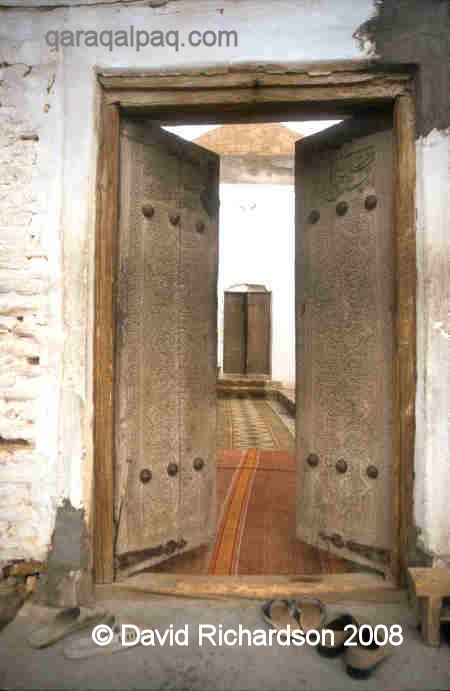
(257, 386)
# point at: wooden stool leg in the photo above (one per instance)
(431, 620)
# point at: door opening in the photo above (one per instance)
(173, 520)
(345, 290)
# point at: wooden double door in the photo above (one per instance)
(247, 333)
(166, 355)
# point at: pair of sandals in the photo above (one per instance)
(305, 614)
(310, 613)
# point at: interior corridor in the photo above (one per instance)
(256, 486)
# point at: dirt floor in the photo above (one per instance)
(413, 666)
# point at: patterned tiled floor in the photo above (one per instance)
(254, 423)
(249, 430)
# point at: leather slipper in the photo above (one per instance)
(337, 623)
(121, 640)
(361, 660)
(304, 614)
(445, 613)
(64, 623)
(311, 613)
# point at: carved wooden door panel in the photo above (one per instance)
(344, 324)
(234, 333)
(258, 333)
(166, 346)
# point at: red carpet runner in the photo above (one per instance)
(256, 478)
(231, 527)
(256, 525)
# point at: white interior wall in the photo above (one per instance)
(432, 454)
(256, 241)
(56, 100)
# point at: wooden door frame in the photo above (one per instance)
(239, 94)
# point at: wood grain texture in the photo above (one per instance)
(104, 342)
(166, 345)
(431, 585)
(431, 621)
(251, 75)
(345, 289)
(332, 587)
(405, 367)
(259, 342)
(244, 80)
(219, 97)
(430, 581)
(234, 333)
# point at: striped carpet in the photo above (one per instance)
(256, 488)
(231, 524)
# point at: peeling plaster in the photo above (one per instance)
(414, 31)
(68, 559)
(439, 327)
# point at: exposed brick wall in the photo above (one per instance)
(23, 277)
(23, 322)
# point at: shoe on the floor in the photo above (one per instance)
(121, 640)
(337, 623)
(64, 623)
(361, 660)
(304, 614)
(445, 613)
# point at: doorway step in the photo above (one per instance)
(237, 386)
(241, 384)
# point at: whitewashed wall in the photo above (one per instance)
(432, 462)
(257, 246)
(51, 197)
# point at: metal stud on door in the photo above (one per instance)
(344, 274)
(166, 363)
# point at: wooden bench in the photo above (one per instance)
(432, 585)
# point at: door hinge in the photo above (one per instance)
(167, 549)
(373, 553)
